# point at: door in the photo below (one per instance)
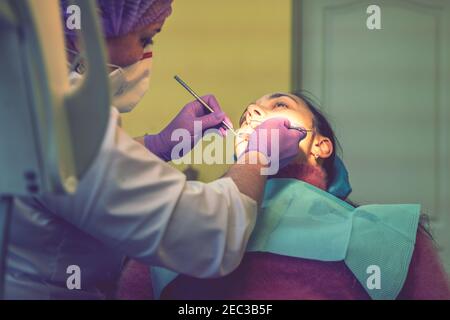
(387, 92)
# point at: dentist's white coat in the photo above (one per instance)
(130, 203)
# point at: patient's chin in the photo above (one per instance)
(314, 175)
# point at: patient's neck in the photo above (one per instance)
(314, 175)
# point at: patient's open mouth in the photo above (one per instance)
(247, 130)
(243, 134)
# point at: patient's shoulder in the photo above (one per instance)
(426, 277)
(264, 276)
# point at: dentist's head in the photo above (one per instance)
(129, 27)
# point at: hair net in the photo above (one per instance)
(120, 17)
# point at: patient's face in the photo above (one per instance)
(278, 105)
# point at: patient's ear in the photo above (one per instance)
(323, 147)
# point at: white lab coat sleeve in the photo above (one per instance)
(136, 203)
(209, 230)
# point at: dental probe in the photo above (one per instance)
(196, 96)
(294, 126)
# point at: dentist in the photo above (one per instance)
(131, 202)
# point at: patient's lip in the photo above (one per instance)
(256, 122)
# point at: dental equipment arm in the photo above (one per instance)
(43, 147)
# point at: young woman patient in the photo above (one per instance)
(263, 275)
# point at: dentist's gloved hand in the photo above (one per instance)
(288, 139)
(161, 144)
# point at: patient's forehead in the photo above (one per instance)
(302, 106)
(301, 110)
(275, 95)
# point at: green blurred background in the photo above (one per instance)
(236, 50)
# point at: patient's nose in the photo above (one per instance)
(255, 112)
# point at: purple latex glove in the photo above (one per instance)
(285, 149)
(162, 145)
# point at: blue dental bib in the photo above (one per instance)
(299, 220)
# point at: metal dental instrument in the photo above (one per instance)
(196, 96)
(301, 129)
(294, 126)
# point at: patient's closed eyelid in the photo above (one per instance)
(281, 104)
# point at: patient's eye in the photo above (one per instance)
(280, 104)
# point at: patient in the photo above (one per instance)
(314, 163)
(272, 276)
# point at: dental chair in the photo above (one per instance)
(49, 132)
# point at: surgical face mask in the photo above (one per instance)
(128, 85)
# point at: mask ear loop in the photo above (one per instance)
(120, 71)
(115, 68)
(77, 65)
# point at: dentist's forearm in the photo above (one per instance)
(248, 177)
